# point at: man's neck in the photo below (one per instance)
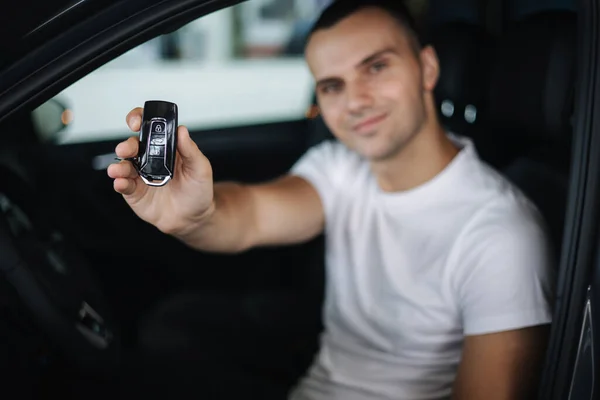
(427, 154)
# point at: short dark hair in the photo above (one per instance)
(340, 9)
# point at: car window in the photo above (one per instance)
(241, 65)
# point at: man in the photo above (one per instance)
(439, 279)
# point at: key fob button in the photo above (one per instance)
(158, 127)
(157, 151)
(158, 140)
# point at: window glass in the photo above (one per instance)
(239, 66)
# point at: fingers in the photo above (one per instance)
(124, 175)
(188, 150)
(128, 148)
(134, 119)
(125, 186)
(186, 147)
(193, 162)
(124, 169)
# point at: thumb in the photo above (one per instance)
(191, 156)
(187, 148)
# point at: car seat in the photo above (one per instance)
(464, 51)
(527, 132)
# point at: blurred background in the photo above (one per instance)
(238, 66)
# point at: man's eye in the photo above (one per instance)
(378, 66)
(330, 88)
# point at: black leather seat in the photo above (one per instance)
(531, 88)
(465, 52)
(527, 131)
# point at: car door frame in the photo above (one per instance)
(45, 71)
(578, 283)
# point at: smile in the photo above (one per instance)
(368, 124)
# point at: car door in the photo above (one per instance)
(572, 357)
(242, 99)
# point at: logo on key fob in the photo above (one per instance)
(158, 141)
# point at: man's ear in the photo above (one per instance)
(313, 111)
(430, 67)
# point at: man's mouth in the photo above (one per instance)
(366, 126)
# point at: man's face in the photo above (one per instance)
(371, 82)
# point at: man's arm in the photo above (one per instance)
(505, 281)
(501, 366)
(285, 211)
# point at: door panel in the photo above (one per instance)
(248, 117)
(139, 264)
(252, 114)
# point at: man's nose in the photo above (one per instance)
(358, 97)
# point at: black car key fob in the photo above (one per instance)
(158, 142)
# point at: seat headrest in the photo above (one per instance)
(464, 51)
(531, 88)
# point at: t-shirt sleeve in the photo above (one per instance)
(324, 166)
(506, 276)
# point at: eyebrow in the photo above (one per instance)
(374, 56)
(364, 61)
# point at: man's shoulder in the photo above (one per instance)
(499, 207)
(329, 157)
(331, 168)
(503, 260)
(503, 213)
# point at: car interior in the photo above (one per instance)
(168, 311)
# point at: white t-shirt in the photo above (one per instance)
(409, 273)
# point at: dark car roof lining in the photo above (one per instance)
(34, 22)
(87, 46)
